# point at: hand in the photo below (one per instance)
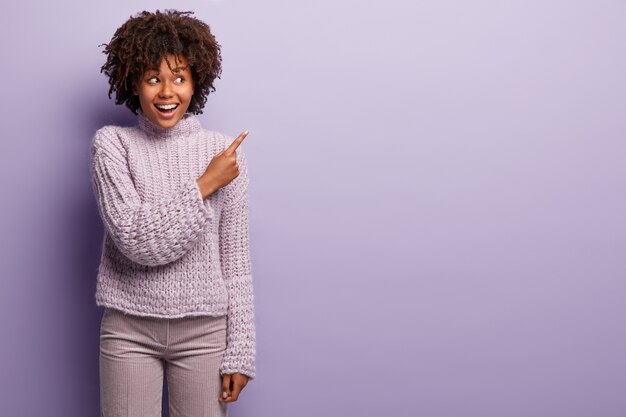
(222, 169)
(232, 386)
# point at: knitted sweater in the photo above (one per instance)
(167, 252)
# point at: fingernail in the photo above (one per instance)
(224, 395)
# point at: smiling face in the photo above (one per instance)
(164, 95)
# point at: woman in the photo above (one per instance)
(175, 273)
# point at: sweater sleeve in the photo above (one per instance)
(154, 233)
(236, 271)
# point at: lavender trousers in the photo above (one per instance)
(135, 352)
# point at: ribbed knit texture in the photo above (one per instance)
(166, 251)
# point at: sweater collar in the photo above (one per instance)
(186, 126)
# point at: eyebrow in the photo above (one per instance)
(174, 69)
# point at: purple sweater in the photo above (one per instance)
(167, 252)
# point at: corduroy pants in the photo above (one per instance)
(135, 352)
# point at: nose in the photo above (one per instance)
(166, 89)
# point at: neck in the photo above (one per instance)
(186, 126)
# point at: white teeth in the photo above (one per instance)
(167, 106)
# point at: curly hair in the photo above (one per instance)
(145, 39)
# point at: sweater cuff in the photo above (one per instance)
(245, 367)
(206, 206)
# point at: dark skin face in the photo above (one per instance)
(160, 87)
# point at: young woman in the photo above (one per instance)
(175, 273)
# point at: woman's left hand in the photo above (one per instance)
(232, 386)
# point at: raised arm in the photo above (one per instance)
(147, 233)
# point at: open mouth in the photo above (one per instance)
(166, 108)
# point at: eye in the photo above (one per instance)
(153, 80)
(179, 80)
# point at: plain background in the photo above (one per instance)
(437, 203)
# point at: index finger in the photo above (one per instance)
(233, 146)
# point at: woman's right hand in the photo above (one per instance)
(222, 169)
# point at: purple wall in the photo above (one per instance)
(437, 203)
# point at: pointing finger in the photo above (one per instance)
(233, 146)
